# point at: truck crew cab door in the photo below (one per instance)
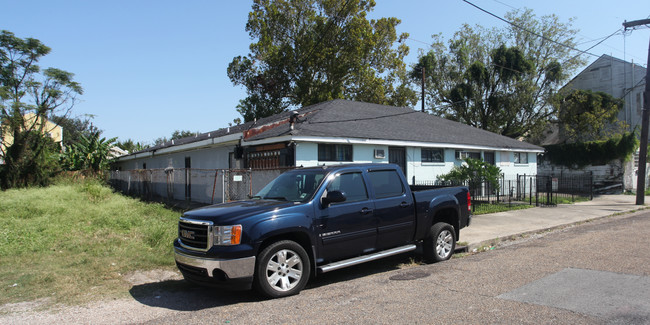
(394, 208)
(347, 229)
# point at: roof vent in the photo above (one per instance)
(293, 119)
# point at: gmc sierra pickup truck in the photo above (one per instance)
(310, 221)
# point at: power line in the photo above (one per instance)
(630, 90)
(423, 42)
(505, 4)
(584, 36)
(529, 31)
(363, 119)
(593, 40)
(602, 40)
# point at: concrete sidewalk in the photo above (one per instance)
(489, 228)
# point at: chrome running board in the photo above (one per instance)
(365, 258)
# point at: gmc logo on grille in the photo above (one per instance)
(187, 234)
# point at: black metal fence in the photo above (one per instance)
(537, 190)
(190, 187)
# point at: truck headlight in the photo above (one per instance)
(226, 235)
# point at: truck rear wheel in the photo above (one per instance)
(283, 269)
(439, 245)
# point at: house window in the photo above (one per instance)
(521, 157)
(334, 152)
(460, 155)
(488, 157)
(432, 155)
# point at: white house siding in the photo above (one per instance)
(617, 78)
(206, 158)
(428, 171)
(202, 182)
(307, 156)
(511, 168)
(621, 80)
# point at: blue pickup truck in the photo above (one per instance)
(310, 221)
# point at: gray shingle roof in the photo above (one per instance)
(350, 119)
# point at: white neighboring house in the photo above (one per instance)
(116, 151)
(619, 79)
(342, 131)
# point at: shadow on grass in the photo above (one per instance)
(181, 295)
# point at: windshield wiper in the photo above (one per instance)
(256, 197)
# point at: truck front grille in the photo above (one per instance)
(194, 234)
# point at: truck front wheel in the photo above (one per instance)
(439, 245)
(283, 269)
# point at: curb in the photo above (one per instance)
(495, 241)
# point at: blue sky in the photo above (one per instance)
(151, 67)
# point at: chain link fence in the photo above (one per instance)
(191, 187)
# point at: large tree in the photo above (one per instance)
(501, 79)
(74, 128)
(28, 97)
(589, 116)
(308, 51)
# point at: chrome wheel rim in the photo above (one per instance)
(444, 243)
(284, 270)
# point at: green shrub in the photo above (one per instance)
(474, 172)
(580, 154)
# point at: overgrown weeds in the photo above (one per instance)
(77, 239)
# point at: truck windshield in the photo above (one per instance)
(295, 185)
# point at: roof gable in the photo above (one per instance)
(603, 61)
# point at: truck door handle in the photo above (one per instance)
(404, 205)
(366, 211)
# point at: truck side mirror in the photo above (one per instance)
(333, 197)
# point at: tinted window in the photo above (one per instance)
(386, 183)
(297, 185)
(352, 185)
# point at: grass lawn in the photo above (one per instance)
(76, 240)
(485, 208)
(498, 207)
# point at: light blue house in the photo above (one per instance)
(341, 131)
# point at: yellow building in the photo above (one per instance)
(51, 129)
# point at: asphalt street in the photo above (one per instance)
(590, 273)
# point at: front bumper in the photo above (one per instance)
(214, 271)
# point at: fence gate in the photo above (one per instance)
(239, 184)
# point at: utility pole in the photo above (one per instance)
(643, 151)
(422, 89)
